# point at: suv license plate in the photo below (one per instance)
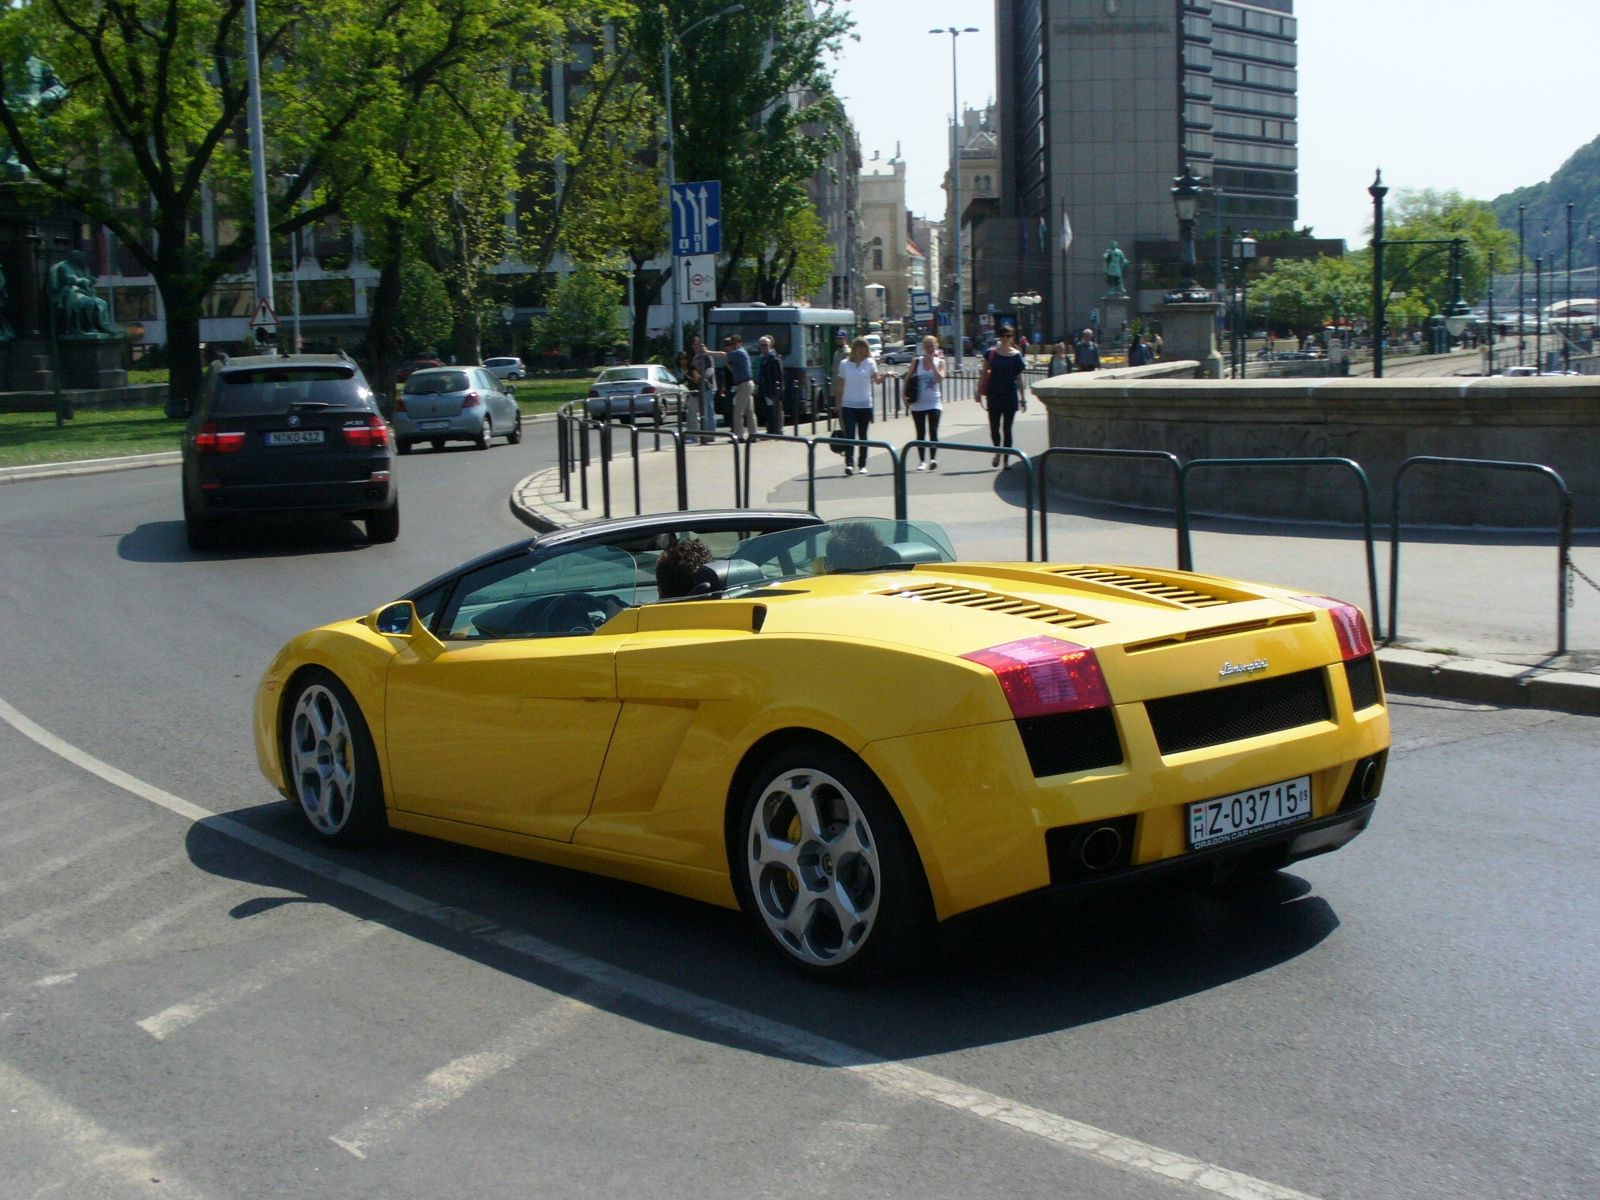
(1226, 818)
(294, 437)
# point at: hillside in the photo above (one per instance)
(1577, 182)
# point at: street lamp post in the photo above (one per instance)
(1244, 252)
(1186, 190)
(1522, 303)
(667, 38)
(955, 181)
(1566, 329)
(1380, 331)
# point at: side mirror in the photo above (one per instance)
(398, 619)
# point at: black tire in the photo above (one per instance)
(436, 443)
(846, 899)
(330, 763)
(201, 533)
(515, 435)
(485, 434)
(404, 447)
(383, 524)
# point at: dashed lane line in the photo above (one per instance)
(1099, 1145)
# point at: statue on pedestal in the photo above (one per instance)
(42, 91)
(1116, 263)
(79, 311)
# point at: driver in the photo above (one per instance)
(678, 567)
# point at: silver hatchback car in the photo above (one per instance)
(460, 404)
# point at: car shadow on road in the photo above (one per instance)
(701, 970)
(164, 541)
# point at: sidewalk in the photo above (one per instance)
(1478, 614)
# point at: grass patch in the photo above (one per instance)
(30, 438)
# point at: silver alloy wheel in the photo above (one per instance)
(814, 867)
(322, 759)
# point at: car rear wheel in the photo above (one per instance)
(201, 532)
(485, 433)
(436, 443)
(403, 447)
(383, 525)
(825, 867)
(331, 765)
(515, 435)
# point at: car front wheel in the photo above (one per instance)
(827, 869)
(484, 434)
(331, 764)
(515, 435)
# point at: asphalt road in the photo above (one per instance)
(198, 1001)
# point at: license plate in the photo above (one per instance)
(1227, 818)
(433, 424)
(294, 437)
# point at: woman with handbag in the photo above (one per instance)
(852, 396)
(924, 381)
(1001, 389)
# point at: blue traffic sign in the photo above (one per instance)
(697, 218)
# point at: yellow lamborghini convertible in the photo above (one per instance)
(839, 729)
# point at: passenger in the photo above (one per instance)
(678, 568)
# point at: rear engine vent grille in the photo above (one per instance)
(1161, 589)
(1362, 675)
(1075, 741)
(1245, 710)
(938, 593)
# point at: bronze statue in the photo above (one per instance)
(77, 307)
(42, 91)
(7, 334)
(1115, 263)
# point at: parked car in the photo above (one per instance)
(506, 368)
(455, 404)
(638, 390)
(415, 364)
(905, 352)
(840, 729)
(280, 435)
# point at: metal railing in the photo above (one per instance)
(1098, 452)
(1564, 549)
(1186, 555)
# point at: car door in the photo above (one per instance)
(506, 720)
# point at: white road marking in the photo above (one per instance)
(48, 867)
(1103, 1146)
(87, 1159)
(443, 1087)
(180, 1016)
(56, 913)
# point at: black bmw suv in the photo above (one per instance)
(287, 435)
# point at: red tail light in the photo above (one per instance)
(648, 389)
(471, 400)
(1041, 675)
(375, 433)
(1349, 622)
(399, 404)
(594, 393)
(211, 440)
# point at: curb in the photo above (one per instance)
(89, 466)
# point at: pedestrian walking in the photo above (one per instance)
(742, 406)
(928, 369)
(1140, 354)
(769, 377)
(1060, 364)
(1001, 389)
(852, 396)
(1086, 353)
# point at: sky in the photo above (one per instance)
(1443, 94)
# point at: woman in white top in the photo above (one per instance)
(928, 368)
(852, 396)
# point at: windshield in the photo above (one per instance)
(849, 545)
(436, 383)
(266, 390)
(621, 374)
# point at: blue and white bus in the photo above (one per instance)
(803, 338)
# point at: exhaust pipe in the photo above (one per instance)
(1370, 776)
(1100, 848)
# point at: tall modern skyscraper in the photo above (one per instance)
(1101, 103)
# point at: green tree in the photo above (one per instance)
(584, 318)
(1311, 293)
(753, 107)
(424, 314)
(1422, 273)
